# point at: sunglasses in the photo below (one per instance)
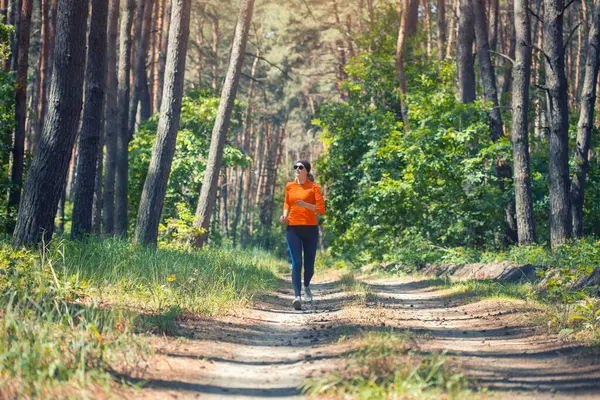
(300, 167)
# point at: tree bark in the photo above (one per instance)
(452, 29)
(14, 17)
(494, 17)
(211, 175)
(557, 110)
(441, 28)
(403, 16)
(464, 53)
(246, 147)
(215, 54)
(586, 122)
(155, 187)
(162, 58)
(112, 121)
(520, 138)
(47, 49)
(142, 39)
(490, 94)
(122, 167)
(46, 177)
(18, 150)
(93, 121)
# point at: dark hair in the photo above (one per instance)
(308, 168)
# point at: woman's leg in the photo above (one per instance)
(311, 242)
(295, 248)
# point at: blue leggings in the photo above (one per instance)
(298, 237)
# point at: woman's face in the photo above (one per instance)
(299, 171)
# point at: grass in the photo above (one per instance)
(71, 316)
(388, 365)
(486, 289)
(360, 290)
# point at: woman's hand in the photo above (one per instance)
(283, 219)
(303, 204)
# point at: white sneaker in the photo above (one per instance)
(297, 303)
(308, 295)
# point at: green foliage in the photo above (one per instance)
(386, 183)
(197, 119)
(588, 312)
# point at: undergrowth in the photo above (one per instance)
(71, 315)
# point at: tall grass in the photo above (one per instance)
(70, 314)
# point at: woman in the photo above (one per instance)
(303, 201)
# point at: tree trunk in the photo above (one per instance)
(452, 29)
(112, 121)
(403, 16)
(464, 52)
(586, 122)
(267, 193)
(211, 176)
(98, 198)
(441, 27)
(246, 147)
(14, 16)
(557, 110)
(490, 94)
(162, 58)
(215, 54)
(93, 121)
(121, 200)
(494, 17)
(144, 90)
(506, 80)
(142, 39)
(427, 7)
(520, 138)
(155, 187)
(46, 177)
(47, 50)
(18, 151)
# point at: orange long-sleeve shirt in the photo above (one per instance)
(309, 192)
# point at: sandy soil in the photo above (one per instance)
(269, 350)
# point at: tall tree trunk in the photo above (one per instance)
(427, 7)
(46, 177)
(452, 29)
(14, 17)
(215, 54)
(464, 52)
(267, 193)
(121, 200)
(246, 147)
(93, 121)
(583, 39)
(143, 89)
(98, 195)
(494, 17)
(211, 175)
(18, 150)
(586, 122)
(441, 28)
(155, 187)
(506, 80)
(558, 114)
(112, 121)
(47, 46)
(520, 136)
(403, 16)
(162, 59)
(490, 94)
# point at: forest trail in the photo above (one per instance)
(269, 350)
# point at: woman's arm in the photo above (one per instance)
(320, 206)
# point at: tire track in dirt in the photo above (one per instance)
(268, 351)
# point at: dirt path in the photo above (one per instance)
(269, 350)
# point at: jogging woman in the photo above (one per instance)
(303, 201)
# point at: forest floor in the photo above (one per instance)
(269, 350)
